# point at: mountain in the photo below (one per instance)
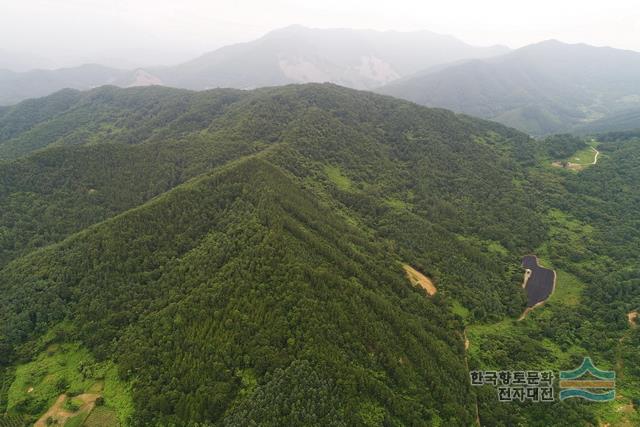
(71, 117)
(360, 59)
(249, 239)
(232, 257)
(15, 87)
(354, 58)
(627, 120)
(263, 225)
(543, 88)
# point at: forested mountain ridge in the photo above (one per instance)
(543, 88)
(245, 262)
(108, 114)
(332, 127)
(254, 263)
(319, 133)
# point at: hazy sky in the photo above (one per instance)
(139, 32)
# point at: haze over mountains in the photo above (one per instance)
(360, 59)
(542, 88)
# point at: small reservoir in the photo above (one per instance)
(539, 281)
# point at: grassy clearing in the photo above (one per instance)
(583, 157)
(479, 332)
(38, 383)
(396, 203)
(619, 413)
(484, 245)
(561, 221)
(580, 159)
(338, 178)
(117, 394)
(568, 289)
(77, 420)
(571, 237)
(460, 310)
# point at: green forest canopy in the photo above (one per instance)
(237, 254)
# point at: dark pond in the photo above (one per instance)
(540, 283)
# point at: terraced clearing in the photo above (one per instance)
(61, 386)
(101, 417)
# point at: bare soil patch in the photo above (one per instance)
(418, 279)
(568, 165)
(58, 413)
(633, 318)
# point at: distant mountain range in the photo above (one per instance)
(542, 88)
(361, 59)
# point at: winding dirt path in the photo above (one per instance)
(55, 412)
(61, 415)
(466, 363)
(595, 159)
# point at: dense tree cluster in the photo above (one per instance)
(562, 146)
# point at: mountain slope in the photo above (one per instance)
(627, 120)
(353, 58)
(108, 115)
(241, 272)
(542, 88)
(453, 174)
(244, 264)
